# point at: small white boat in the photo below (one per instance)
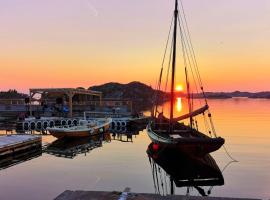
(85, 128)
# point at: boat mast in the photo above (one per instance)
(173, 62)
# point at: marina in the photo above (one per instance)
(116, 165)
(113, 100)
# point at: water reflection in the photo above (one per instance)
(172, 168)
(126, 134)
(179, 104)
(21, 156)
(71, 147)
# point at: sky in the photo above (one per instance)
(72, 43)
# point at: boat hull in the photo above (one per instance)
(61, 133)
(192, 146)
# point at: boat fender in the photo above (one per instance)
(155, 147)
(25, 126)
(118, 129)
(75, 122)
(32, 126)
(45, 125)
(124, 129)
(38, 125)
(69, 122)
(63, 122)
(51, 124)
(123, 123)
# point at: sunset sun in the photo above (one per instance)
(179, 88)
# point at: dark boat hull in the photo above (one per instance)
(197, 146)
(185, 170)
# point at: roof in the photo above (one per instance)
(66, 90)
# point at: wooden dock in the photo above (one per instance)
(94, 195)
(12, 144)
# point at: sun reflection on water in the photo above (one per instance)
(179, 104)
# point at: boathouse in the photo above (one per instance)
(64, 98)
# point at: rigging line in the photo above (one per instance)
(169, 67)
(165, 178)
(189, 37)
(189, 47)
(227, 152)
(168, 72)
(165, 53)
(167, 42)
(207, 125)
(211, 123)
(187, 81)
(154, 108)
(226, 166)
(192, 48)
(161, 180)
(156, 94)
(188, 57)
(153, 174)
(155, 166)
(162, 65)
(189, 51)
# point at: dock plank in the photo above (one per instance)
(101, 195)
(14, 143)
(16, 139)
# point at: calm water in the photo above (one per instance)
(244, 123)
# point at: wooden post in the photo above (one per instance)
(30, 103)
(70, 104)
(131, 106)
(100, 100)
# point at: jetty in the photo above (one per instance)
(101, 195)
(12, 144)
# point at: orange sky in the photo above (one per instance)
(87, 42)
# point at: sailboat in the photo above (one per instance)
(172, 131)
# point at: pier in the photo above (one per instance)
(32, 125)
(94, 195)
(12, 144)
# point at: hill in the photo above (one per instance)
(141, 94)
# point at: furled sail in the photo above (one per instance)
(192, 114)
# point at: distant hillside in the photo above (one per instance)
(226, 95)
(139, 93)
(143, 94)
(12, 94)
(213, 95)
